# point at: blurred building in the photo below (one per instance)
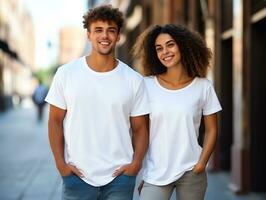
(17, 46)
(122, 4)
(72, 43)
(235, 31)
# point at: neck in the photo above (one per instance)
(176, 74)
(101, 63)
(174, 78)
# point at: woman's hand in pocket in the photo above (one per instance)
(198, 168)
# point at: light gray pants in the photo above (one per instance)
(190, 186)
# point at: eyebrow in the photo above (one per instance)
(169, 41)
(111, 27)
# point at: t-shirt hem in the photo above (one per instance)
(169, 181)
(55, 104)
(100, 183)
(139, 114)
(162, 183)
(212, 111)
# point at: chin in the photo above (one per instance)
(168, 65)
(105, 53)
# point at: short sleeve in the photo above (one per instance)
(140, 102)
(55, 95)
(211, 102)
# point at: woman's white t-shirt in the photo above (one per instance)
(97, 122)
(174, 128)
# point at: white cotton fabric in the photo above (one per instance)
(97, 122)
(174, 128)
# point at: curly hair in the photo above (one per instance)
(103, 13)
(195, 55)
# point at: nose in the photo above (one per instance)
(165, 50)
(104, 34)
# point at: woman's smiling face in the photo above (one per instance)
(167, 50)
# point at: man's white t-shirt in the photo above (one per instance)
(174, 128)
(97, 122)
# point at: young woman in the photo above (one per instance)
(175, 61)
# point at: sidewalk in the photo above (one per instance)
(27, 170)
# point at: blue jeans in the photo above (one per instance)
(121, 188)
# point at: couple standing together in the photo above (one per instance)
(105, 118)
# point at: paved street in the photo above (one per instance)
(27, 168)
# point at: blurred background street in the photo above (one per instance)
(36, 37)
(27, 170)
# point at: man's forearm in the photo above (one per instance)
(140, 142)
(56, 138)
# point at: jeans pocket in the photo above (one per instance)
(72, 180)
(197, 174)
(129, 176)
(124, 179)
(67, 176)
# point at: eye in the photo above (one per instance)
(98, 30)
(112, 30)
(158, 49)
(172, 44)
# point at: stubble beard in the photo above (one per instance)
(106, 53)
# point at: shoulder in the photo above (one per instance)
(205, 86)
(130, 72)
(204, 82)
(149, 79)
(69, 68)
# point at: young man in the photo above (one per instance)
(98, 122)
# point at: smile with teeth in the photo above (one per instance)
(167, 58)
(105, 43)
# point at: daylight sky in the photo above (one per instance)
(48, 17)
